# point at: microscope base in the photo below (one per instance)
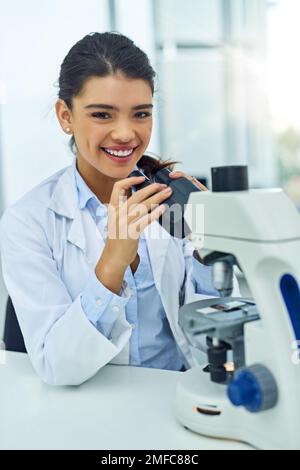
(203, 407)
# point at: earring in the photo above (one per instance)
(67, 129)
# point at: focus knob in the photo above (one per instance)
(254, 388)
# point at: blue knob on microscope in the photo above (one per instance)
(254, 388)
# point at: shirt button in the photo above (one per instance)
(99, 301)
(115, 308)
(133, 326)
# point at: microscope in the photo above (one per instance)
(248, 388)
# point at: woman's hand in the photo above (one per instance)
(180, 174)
(127, 218)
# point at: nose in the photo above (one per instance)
(123, 132)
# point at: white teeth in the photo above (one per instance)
(119, 153)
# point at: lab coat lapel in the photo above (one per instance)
(85, 235)
(83, 232)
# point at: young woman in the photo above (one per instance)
(85, 295)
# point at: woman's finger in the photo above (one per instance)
(143, 194)
(147, 219)
(180, 174)
(198, 184)
(121, 186)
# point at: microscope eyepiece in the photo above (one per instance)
(229, 178)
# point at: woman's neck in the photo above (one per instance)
(101, 185)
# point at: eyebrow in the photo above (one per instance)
(114, 108)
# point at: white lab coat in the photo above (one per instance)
(49, 249)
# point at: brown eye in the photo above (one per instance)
(143, 115)
(101, 115)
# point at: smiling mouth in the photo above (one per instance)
(119, 154)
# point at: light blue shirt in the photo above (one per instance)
(151, 343)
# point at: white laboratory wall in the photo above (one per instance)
(212, 67)
(192, 110)
(191, 21)
(35, 36)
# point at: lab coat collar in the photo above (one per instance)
(85, 194)
(64, 200)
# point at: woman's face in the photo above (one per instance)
(111, 121)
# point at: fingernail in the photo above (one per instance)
(167, 190)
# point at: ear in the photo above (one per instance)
(64, 116)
